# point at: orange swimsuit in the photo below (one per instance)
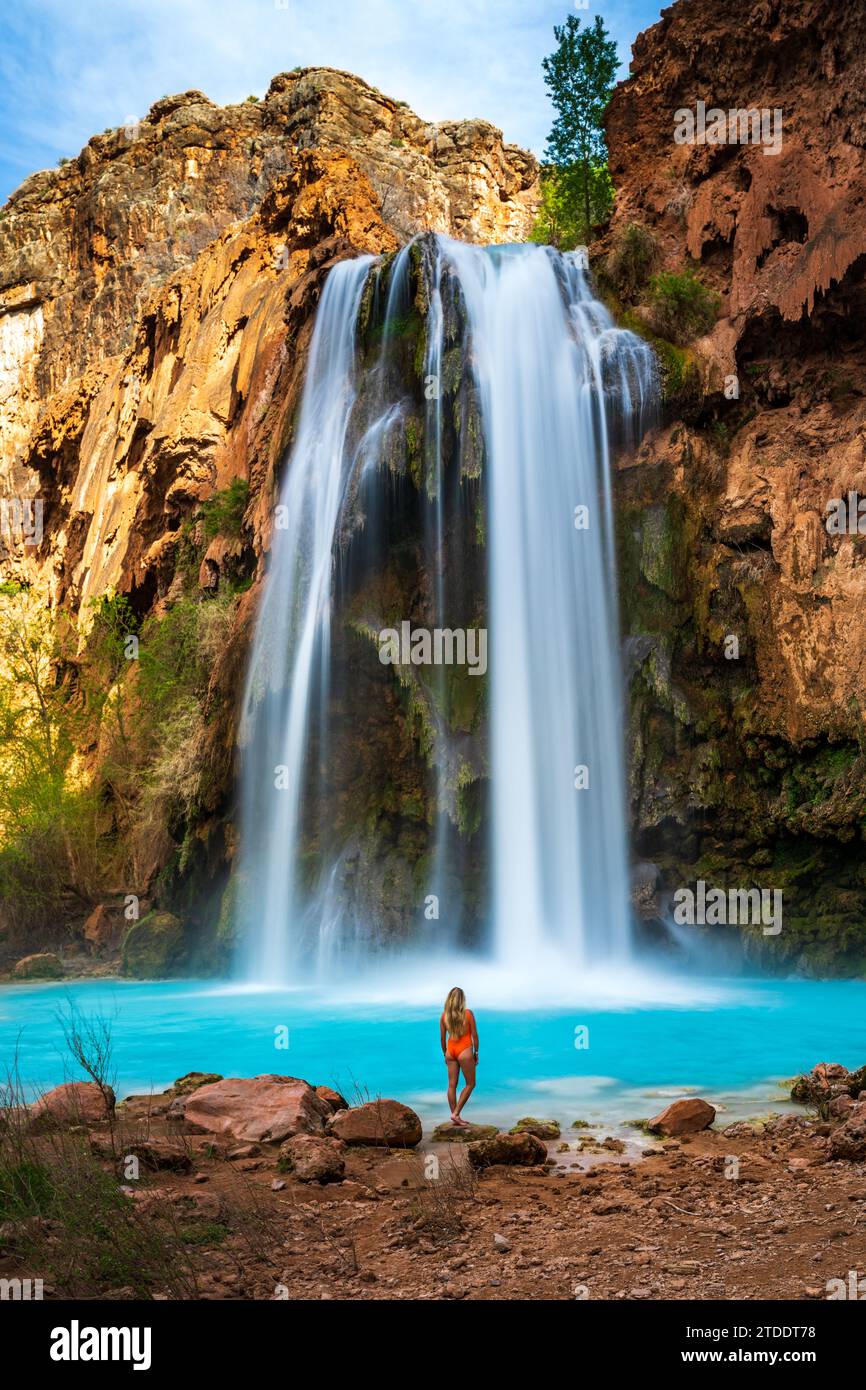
(458, 1045)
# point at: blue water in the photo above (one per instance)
(734, 1048)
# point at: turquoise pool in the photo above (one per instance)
(734, 1045)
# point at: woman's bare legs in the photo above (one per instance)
(467, 1066)
(453, 1073)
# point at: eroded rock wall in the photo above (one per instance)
(748, 769)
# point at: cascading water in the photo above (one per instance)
(549, 375)
(545, 353)
(288, 671)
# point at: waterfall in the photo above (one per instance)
(545, 354)
(287, 680)
(551, 380)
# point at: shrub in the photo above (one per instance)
(632, 257)
(683, 307)
(223, 514)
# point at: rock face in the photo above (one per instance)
(522, 1150)
(384, 1124)
(101, 928)
(746, 762)
(73, 1103)
(83, 247)
(261, 1108)
(157, 296)
(313, 1159)
(683, 1117)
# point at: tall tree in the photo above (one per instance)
(579, 75)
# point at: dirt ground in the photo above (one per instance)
(751, 1214)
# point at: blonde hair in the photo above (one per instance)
(455, 1013)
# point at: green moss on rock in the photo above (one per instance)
(154, 947)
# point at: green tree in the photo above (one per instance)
(579, 75)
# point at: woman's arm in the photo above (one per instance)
(442, 1033)
(473, 1028)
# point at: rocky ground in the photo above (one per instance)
(274, 1189)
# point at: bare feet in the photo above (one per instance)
(456, 1120)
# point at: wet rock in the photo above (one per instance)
(43, 966)
(458, 1134)
(380, 1123)
(542, 1129)
(687, 1116)
(313, 1158)
(153, 948)
(266, 1108)
(522, 1150)
(819, 1086)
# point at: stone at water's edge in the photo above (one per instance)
(458, 1134)
(266, 1108)
(542, 1129)
(313, 1158)
(827, 1082)
(683, 1117)
(43, 966)
(333, 1098)
(192, 1080)
(73, 1103)
(380, 1123)
(522, 1150)
(154, 947)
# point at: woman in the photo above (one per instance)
(460, 1051)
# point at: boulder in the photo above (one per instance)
(334, 1099)
(542, 1129)
(449, 1133)
(313, 1158)
(683, 1117)
(385, 1124)
(43, 966)
(154, 1155)
(255, 1109)
(523, 1150)
(849, 1140)
(73, 1103)
(819, 1086)
(153, 948)
(101, 928)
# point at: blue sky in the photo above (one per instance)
(70, 68)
